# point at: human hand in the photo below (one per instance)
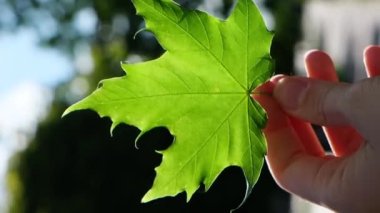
(348, 180)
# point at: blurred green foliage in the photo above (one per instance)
(73, 164)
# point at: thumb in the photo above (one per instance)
(312, 100)
(328, 104)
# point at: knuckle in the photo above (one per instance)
(360, 99)
(353, 101)
(318, 103)
(361, 90)
(322, 106)
(315, 103)
(354, 94)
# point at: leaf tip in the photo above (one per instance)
(113, 127)
(188, 198)
(75, 107)
(145, 199)
(138, 32)
(138, 138)
(68, 111)
(148, 197)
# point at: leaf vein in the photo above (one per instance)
(206, 141)
(163, 95)
(199, 44)
(247, 46)
(204, 29)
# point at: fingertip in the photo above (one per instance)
(319, 65)
(259, 94)
(267, 87)
(318, 55)
(372, 49)
(277, 118)
(275, 79)
(312, 53)
(263, 94)
(289, 92)
(371, 60)
(264, 89)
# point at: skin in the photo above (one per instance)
(348, 179)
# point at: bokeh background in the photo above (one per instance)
(54, 52)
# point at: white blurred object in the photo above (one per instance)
(343, 28)
(20, 112)
(21, 109)
(212, 6)
(299, 205)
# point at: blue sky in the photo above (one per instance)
(22, 60)
(28, 72)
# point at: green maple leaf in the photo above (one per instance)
(199, 89)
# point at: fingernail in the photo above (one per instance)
(275, 79)
(290, 92)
